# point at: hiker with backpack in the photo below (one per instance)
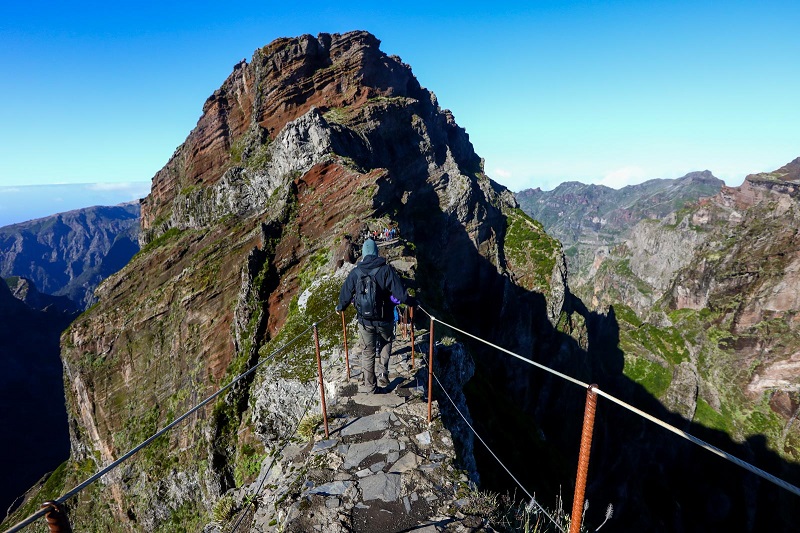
(371, 286)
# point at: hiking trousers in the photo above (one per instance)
(376, 341)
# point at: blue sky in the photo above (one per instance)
(603, 92)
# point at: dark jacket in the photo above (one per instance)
(388, 282)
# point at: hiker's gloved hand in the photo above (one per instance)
(411, 301)
(338, 308)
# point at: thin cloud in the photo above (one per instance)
(619, 178)
(502, 173)
(116, 186)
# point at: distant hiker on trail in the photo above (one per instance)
(371, 286)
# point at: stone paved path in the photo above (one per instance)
(382, 468)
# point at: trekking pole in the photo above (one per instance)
(430, 372)
(583, 459)
(346, 355)
(411, 310)
(321, 383)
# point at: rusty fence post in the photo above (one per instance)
(583, 459)
(430, 372)
(56, 518)
(411, 311)
(321, 383)
(346, 355)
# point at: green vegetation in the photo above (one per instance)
(338, 115)
(652, 376)
(299, 360)
(248, 464)
(308, 425)
(159, 241)
(312, 269)
(187, 517)
(64, 477)
(706, 415)
(530, 250)
(224, 509)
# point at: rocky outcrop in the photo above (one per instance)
(24, 290)
(282, 82)
(68, 254)
(746, 275)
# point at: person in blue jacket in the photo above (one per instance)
(376, 334)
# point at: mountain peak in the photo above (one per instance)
(282, 82)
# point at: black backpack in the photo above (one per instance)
(368, 301)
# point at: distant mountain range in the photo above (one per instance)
(21, 203)
(68, 254)
(587, 217)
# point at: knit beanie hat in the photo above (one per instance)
(369, 248)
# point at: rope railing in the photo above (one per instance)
(62, 499)
(593, 389)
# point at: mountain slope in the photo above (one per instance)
(707, 301)
(68, 254)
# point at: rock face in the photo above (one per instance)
(745, 275)
(68, 254)
(312, 140)
(24, 290)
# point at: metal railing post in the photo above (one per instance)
(346, 354)
(321, 383)
(430, 372)
(56, 518)
(411, 311)
(583, 459)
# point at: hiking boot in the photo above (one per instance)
(382, 381)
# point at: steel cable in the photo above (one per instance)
(115, 464)
(725, 455)
(519, 484)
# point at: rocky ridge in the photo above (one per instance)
(314, 139)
